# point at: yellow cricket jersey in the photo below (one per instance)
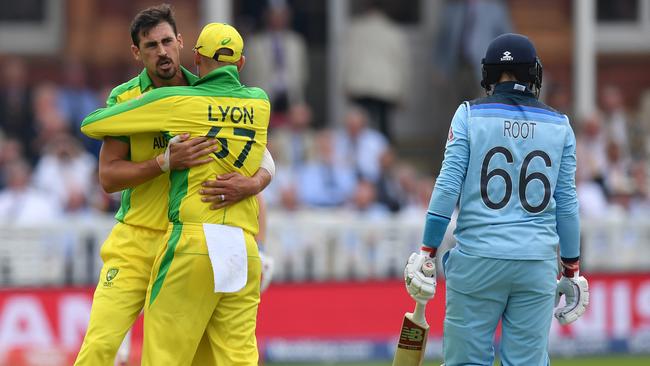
(218, 106)
(146, 204)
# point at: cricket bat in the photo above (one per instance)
(413, 336)
(412, 339)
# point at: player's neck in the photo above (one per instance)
(505, 77)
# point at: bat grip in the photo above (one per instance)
(418, 314)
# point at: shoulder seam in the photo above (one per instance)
(126, 86)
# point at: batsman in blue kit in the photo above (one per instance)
(510, 164)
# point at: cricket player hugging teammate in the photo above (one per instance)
(511, 160)
(204, 285)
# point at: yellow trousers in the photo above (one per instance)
(128, 254)
(182, 307)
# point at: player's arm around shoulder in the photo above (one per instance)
(148, 112)
(117, 172)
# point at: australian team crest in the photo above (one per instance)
(111, 274)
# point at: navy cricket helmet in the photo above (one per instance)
(513, 53)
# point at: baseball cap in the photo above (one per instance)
(216, 36)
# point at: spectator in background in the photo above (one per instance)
(466, 28)
(364, 201)
(77, 100)
(640, 200)
(389, 192)
(10, 150)
(289, 198)
(277, 62)
(20, 203)
(618, 181)
(408, 179)
(375, 65)
(66, 173)
(360, 145)
(16, 116)
(293, 144)
(591, 144)
(558, 97)
(614, 120)
(591, 196)
(417, 190)
(324, 182)
(49, 120)
(282, 191)
(644, 122)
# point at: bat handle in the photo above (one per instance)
(418, 314)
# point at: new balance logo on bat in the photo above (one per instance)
(412, 335)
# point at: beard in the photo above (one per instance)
(166, 68)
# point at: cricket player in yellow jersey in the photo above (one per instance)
(133, 165)
(206, 278)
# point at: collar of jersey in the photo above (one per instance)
(509, 87)
(225, 75)
(146, 83)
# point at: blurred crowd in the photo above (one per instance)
(612, 150)
(48, 169)
(351, 166)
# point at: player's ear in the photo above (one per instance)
(136, 52)
(179, 38)
(240, 64)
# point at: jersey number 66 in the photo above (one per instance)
(524, 179)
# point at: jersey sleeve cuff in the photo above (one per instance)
(568, 231)
(434, 229)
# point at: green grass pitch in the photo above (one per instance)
(592, 361)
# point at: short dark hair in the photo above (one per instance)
(149, 18)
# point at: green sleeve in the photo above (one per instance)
(145, 114)
(111, 101)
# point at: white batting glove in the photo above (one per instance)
(576, 294)
(163, 159)
(420, 277)
(268, 264)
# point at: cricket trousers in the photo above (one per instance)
(128, 255)
(483, 291)
(183, 313)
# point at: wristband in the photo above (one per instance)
(163, 159)
(570, 269)
(267, 163)
(425, 250)
(163, 162)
